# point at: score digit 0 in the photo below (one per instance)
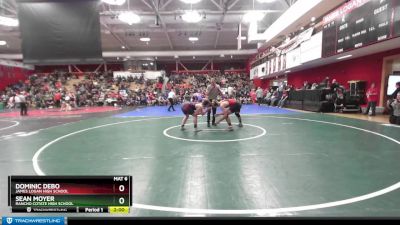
(121, 201)
(121, 188)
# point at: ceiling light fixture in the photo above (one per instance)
(129, 18)
(3, 43)
(242, 38)
(192, 16)
(114, 2)
(345, 57)
(123, 47)
(193, 39)
(194, 57)
(145, 39)
(253, 16)
(191, 1)
(222, 56)
(7, 21)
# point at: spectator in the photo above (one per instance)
(268, 97)
(171, 97)
(306, 86)
(283, 99)
(324, 84)
(314, 86)
(260, 95)
(395, 105)
(231, 92)
(57, 99)
(21, 99)
(253, 96)
(372, 97)
(394, 95)
(334, 85)
(274, 98)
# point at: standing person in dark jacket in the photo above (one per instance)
(395, 105)
(394, 95)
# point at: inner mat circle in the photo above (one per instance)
(215, 134)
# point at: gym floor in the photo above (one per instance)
(281, 163)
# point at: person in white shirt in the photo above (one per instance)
(231, 92)
(20, 98)
(171, 97)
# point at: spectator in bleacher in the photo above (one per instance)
(186, 96)
(282, 101)
(306, 86)
(334, 85)
(274, 98)
(324, 84)
(253, 96)
(372, 97)
(231, 92)
(268, 97)
(314, 86)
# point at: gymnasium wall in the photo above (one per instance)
(368, 68)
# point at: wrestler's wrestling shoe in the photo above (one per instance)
(240, 125)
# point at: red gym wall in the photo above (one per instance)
(11, 75)
(368, 68)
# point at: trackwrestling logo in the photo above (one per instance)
(33, 220)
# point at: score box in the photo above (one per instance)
(68, 192)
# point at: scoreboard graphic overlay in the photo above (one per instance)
(70, 194)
